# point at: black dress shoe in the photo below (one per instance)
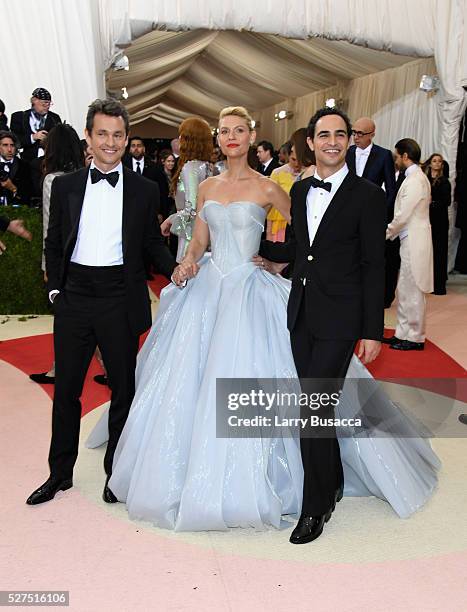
(101, 379)
(407, 345)
(391, 340)
(309, 528)
(48, 490)
(107, 495)
(42, 379)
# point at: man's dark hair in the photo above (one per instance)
(267, 146)
(130, 140)
(411, 147)
(2, 106)
(109, 107)
(324, 112)
(8, 134)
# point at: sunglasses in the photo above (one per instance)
(359, 134)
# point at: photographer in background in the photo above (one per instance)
(15, 180)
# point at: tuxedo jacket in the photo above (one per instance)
(140, 236)
(341, 275)
(412, 211)
(20, 126)
(20, 175)
(149, 172)
(272, 166)
(379, 169)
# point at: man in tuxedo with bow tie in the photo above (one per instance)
(15, 179)
(337, 238)
(102, 222)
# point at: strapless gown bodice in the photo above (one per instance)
(235, 230)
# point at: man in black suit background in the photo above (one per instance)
(136, 159)
(15, 178)
(376, 164)
(336, 241)
(102, 221)
(265, 154)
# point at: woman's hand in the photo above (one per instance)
(165, 227)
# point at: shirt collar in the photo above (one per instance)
(118, 168)
(266, 164)
(365, 151)
(336, 178)
(411, 169)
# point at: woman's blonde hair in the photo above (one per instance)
(237, 111)
(195, 143)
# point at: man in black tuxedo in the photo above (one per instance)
(15, 179)
(336, 241)
(377, 165)
(32, 125)
(137, 161)
(102, 221)
(265, 153)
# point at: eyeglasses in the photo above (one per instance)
(360, 134)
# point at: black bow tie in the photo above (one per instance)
(321, 184)
(97, 175)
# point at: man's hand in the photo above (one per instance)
(165, 227)
(16, 227)
(368, 350)
(2, 247)
(269, 266)
(8, 184)
(40, 135)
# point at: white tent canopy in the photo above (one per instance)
(67, 46)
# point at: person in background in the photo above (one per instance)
(63, 153)
(218, 161)
(305, 156)
(15, 177)
(136, 159)
(439, 219)
(193, 167)
(164, 174)
(15, 227)
(265, 153)
(3, 117)
(284, 153)
(285, 176)
(411, 223)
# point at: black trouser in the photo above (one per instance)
(90, 311)
(392, 266)
(319, 359)
(439, 233)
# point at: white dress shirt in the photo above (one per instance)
(99, 240)
(266, 164)
(318, 200)
(135, 163)
(361, 157)
(35, 124)
(405, 232)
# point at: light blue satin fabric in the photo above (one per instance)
(230, 322)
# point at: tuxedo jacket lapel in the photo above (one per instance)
(75, 204)
(336, 204)
(370, 161)
(128, 194)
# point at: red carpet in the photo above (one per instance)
(35, 354)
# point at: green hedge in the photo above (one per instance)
(22, 289)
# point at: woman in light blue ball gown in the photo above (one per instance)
(229, 321)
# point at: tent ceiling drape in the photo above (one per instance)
(174, 74)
